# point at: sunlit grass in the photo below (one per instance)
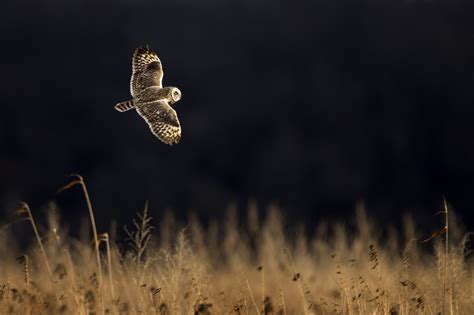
(250, 267)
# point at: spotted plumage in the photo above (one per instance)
(151, 101)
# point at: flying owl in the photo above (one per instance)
(151, 100)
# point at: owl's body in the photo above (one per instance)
(150, 99)
(154, 92)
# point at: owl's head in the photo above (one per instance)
(174, 95)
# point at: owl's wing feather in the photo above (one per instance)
(146, 70)
(162, 120)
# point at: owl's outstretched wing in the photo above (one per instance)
(146, 70)
(162, 120)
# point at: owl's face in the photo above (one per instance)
(175, 94)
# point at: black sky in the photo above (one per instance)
(313, 104)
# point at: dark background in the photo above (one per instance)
(312, 104)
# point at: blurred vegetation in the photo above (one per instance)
(254, 266)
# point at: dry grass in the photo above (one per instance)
(224, 270)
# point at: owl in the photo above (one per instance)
(150, 99)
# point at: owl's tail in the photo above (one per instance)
(124, 106)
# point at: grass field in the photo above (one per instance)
(250, 267)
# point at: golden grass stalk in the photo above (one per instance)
(282, 302)
(23, 260)
(444, 230)
(262, 272)
(80, 181)
(105, 238)
(251, 296)
(25, 208)
(446, 257)
(139, 238)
